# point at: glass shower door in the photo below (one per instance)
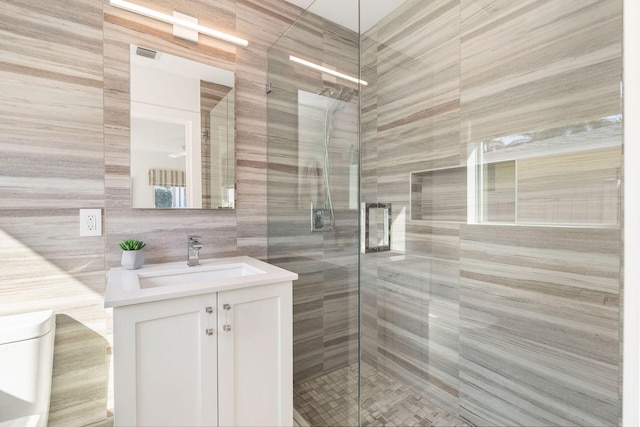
(493, 129)
(411, 161)
(313, 207)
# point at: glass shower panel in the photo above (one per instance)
(494, 131)
(487, 145)
(313, 204)
(411, 159)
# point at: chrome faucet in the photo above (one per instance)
(193, 250)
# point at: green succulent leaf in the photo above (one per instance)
(132, 245)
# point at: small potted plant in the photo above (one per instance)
(132, 255)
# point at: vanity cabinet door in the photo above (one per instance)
(255, 356)
(165, 363)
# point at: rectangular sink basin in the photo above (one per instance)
(157, 282)
(196, 275)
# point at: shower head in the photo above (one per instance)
(342, 94)
(338, 98)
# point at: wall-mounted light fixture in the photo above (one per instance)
(327, 70)
(188, 27)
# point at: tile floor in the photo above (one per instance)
(332, 400)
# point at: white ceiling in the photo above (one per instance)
(345, 12)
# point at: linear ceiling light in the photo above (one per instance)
(180, 22)
(327, 70)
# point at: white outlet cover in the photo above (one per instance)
(90, 222)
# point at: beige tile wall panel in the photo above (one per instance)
(52, 156)
(539, 325)
(573, 188)
(340, 292)
(439, 240)
(417, 86)
(418, 325)
(51, 143)
(530, 65)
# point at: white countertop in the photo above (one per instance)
(123, 286)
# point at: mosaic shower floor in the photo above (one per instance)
(332, 400)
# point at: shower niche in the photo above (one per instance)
(439, 194)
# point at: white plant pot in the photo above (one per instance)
(132, 260)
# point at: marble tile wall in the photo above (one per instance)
(587, 193)
(501, 325)
(64, 146)
(533, 65)
(51, 143)
(539, 325)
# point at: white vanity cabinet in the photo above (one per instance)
(255, 357)
(165, 364)
(217, 358)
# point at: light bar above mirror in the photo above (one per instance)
(179, 20)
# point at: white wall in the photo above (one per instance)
(631, 320)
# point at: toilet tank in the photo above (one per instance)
(26, 361)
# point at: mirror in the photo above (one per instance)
(182, 133)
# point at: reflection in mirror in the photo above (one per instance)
(182, 133)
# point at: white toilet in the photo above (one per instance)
(26, 361)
